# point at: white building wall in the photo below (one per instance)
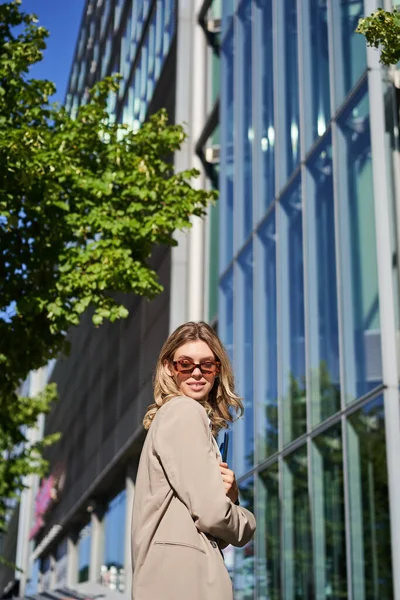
(35, 384)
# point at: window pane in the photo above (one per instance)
(225, 326)
(244, 120)
(323, 344)
(369, 504)
(266, 399)
(292, 87)
(291, 305)
(297, 551)
(319, 66)
(269, 536)
(226, 312)
(61, 563)
(85, 538)
(227, 154)
(243, 360)
(353, 44)
(112, 571)
(227, 12)
(328, 517)
(213, 261)
(244, 557)
(266, 135)
(361, 331)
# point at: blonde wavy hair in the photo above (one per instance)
(222, 400)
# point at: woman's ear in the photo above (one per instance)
(168, 368)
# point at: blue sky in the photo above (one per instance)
(62, 18)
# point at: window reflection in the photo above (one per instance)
(112, 570)
(245, 119)
(45, 573)
(266, 138)
(227, 12)
(328, 515)
(323, 311)
(354, 55)
(266, 350)
(244, 557)
(292, 87)
(153, 53)
(227, 152)
(369, 505)
(297, 551)
(85, 539)
(225, 325)
(292, 350)
(243, 360)
(358, 244)
(269, 549)
(319, 66)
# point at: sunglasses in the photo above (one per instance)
(186, 366)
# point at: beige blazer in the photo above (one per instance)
(181, 515)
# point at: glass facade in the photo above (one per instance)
(129, 37)
(113, 568)
(84, 544)
(298, 301)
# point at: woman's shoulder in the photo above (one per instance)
(181, 407)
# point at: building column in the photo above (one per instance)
(97, 544)
(130, 493)
(37, 381)
(187, 258)
(386, 278)
(72, 560)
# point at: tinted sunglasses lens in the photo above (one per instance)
(184, 366)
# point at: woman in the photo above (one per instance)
(186, 501)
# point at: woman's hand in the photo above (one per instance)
(229, 479)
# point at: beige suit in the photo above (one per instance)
(181, 510)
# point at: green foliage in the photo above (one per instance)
(83, 201)
(382, 29)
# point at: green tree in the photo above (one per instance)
(83, 201)
(382, 29)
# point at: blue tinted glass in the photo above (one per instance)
(369, 515)
(323, 347)
(354, 55)
(291, 301)
(361, 323)
(266, 345)
(32, 583)
(243, 358)
(329, 515)
(269, 581)
(292, 87)
(245, 120)
(85, 539)
(227, 155)
(321, 111)
(227, 12)
(226, 312)
(296, 526)
(225, 326)
(115, 527)
(266, 136)
(245, 557)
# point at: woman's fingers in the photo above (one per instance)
(229, 480)
(228, 476)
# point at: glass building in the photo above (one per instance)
(308, 298)
(129, 37)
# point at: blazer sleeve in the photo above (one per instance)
(183, 447)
